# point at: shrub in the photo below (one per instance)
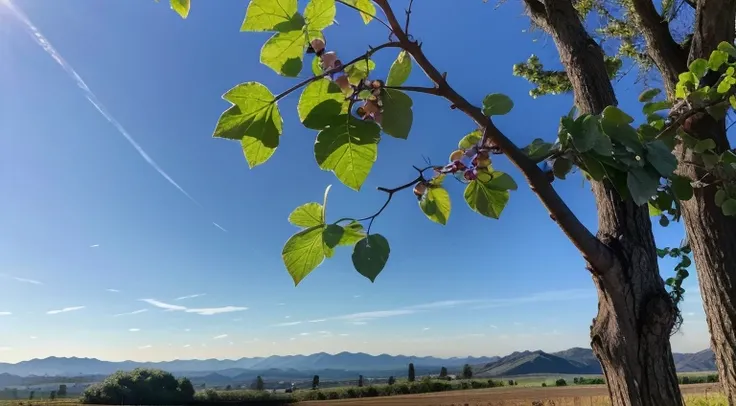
(511, 382)
(391, 380)
(544, 384)
(140, 386)
(560, 382)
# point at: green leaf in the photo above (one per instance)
(593, 167)
(284, 52)
(681, 187)
(664, 221)
(718, 111)
(653, 107)
(307, 215)
(316, 68)
(698, 67)
(397, 113)
(710, 160)
(729, 157)
(181, 7)
(624, 134)
(359, 70)
(320, 103)
(348, 148)
(717, 59)
(400, 70)
(497, 104)
(366, 7)
(586, 136)
(332, 235)
(654, 211)
(561, 167)
(614, 115)
(470, 139)
(704, 145)
(490, 198)
(319, 14)
(272, 15)
(661, 158)
(642, 185)
(729, 207)
(303, 253)
(720, 197)
(727, 48)
(538, 149)
(436, 205)
(649, 94)
(352, 233)
(603, 145)
(370, 255)
(254, 119)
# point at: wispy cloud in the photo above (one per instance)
(94, 245)
(425, 329)
(139, 311)
(317, 321)
(162, 305)
(221, 336)
(145, 347)
(290, 323)
(6, 313)
(356, 296)
(209, 311)
(134, 330)
(187, 345)
(219, 226)
(216, 310)
(304, 334)
(42, 41)
(65, 310)
(493, 326)
(112, 290)
(344, 334)
(26, 280)
(280, 304)
(549, 296)
(5, 348)
(359, 323)
(33, 337)
(190, 296)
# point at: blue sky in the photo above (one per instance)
(99, 251)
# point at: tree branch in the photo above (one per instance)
(666, 53)
(594, 251)
(337, 69)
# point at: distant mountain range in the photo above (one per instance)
(345, 365)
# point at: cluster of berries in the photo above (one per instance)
(472, 163)
(372, 107)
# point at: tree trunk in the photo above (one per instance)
(631, 333)
(711, 234)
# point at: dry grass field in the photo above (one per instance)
(696, 395)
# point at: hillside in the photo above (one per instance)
(576, 361)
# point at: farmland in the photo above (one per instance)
(696, 395)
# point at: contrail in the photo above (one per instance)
(46, 45)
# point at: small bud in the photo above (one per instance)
(469, 174)
(318, 45)
(371, 107)
(328, 60)
(376, 92)
(377, 84)
(457, 155)
(344, 84)
(459, 165)
(367, 83)
(419, 189)
(360, 111)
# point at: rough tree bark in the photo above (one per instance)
(631, 333)
(712, 235)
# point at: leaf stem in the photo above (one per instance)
(340, 68)
(593, 250)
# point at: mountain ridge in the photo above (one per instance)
(574, 360)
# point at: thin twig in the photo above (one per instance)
(336, 69)
(593, 250)
(408, 15)
(343, 2)
(419, 89)
(419, 178)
